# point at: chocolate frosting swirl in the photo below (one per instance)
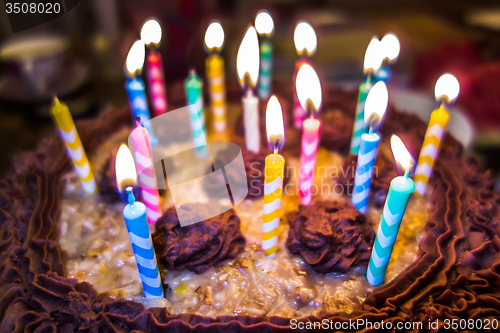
(331, 236)
(197, 246)
(456, 275)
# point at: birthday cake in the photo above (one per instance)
(67, 263)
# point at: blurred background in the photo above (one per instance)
(80, 55)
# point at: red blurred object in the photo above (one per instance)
(479, 81)
(453, 58)
(482, 98)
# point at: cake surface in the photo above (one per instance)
(455, 274)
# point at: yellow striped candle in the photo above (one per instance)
(74, 146)
(214, 66)
(446, 91)
(273, 177)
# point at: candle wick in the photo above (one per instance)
(310, 109)
(374, 122)
(138, 122)
(246, 84)
(130, 194)
(276, 145)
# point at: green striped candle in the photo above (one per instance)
(360, 127)
(266, 51)
(194, 95)
(264, 25)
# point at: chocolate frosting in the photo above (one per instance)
(197, 246)
(336, 131)
(456, 274)
(331, 236)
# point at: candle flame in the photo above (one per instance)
(214, 36)
(135, 58)
(151, 32)
(305, 39)
(248, 58)
(308, 87)
(373, 56)
(447, 87)
(390, 47)
(274, 124)
(126, 174)
(401, 154)
(264, 23)
(376, 103)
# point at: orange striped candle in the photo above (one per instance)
(273, 177)
(446, 91)
(74, 146)
(430, 148)
(214, 65)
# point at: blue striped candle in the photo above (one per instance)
(139, 103)
(395, 205)
(364, 170)
(138, 231)
(360, 127)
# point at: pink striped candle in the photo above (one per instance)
(299, 114)
(308, 89)
(305, 40)
(310, 140)
(143, 157)
(156, 81)
(151, 34)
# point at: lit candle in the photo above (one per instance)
(151, 36)
(446, 91)
(247, 66)
(376, 104)
(309, 93)
(372, 63)
(143, 157)
(135, 86)
(306, 42)
(394, 208)
(265, 28)
(389, 46)
(134, 214)
(74, 146)
(273, 177)
(214, 40)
